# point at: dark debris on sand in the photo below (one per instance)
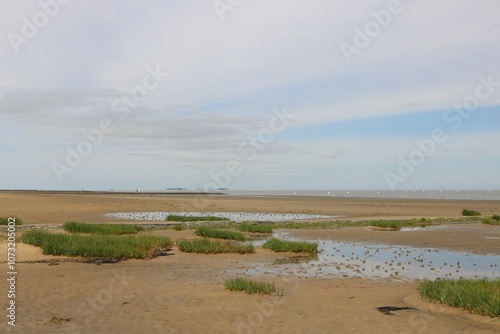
(387, 310)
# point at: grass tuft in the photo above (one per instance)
(5, 221)
(206, 246)
(179, 218)
(218, 234)
(113, 246)
(106, 229)
(398, 224)
(249, 286)
(496, 217)
(490, 221)
(479, 296)
(277, 245)
(255, 228)
(470, 213)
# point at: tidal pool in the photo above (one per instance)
(353, 259)
(235, 216)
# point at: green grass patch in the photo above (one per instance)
(249, 286)
(5, 221)
(207, 246)
(113, 246)
(490, 221)
(277, 245)
(470, 213)
(255, 228)
(386, 224)
(398, 224)
(218, 234)
(179, 218)
(106, 229)
(271, 226)
(178, 228)
(496, 217)
(413, 222)
(307, 225)
(480, 296)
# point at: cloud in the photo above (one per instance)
(226, 77)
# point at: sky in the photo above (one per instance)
(282, 94)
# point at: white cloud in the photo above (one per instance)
(227, 76)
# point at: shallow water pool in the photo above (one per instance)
(235, 216)
(353, 259)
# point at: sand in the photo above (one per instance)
(48, 208)
(184, 293)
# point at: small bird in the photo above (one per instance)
(386, 310)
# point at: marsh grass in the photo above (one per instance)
(250, 287)
(277, 245)
(413, 222)
(398, 224)
(481, 296)
(255, 228)
(270, 226)
(218, 234)
(113, 246)
(206, 246)
(470, 213)
(310, 225)
(491, 220)
(5, 221)
(106, 229)
(296, 259)
(179, 218)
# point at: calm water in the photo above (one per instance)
(421, 194)
(403, 263)
(236, 216)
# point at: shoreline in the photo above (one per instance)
(59, 207)
(338, 194)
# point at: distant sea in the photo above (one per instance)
(420, 194)
(493, 195)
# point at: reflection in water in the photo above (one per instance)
(351, 259)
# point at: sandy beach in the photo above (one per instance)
(184, 293)
(60, 207)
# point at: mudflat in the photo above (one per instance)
(59, 207)
(184, 293)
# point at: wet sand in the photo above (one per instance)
(184, 293)
(50, 208)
